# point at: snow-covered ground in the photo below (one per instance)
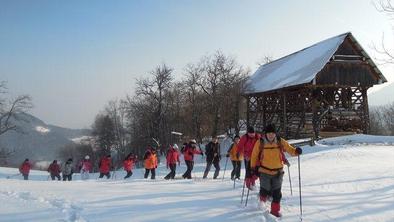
(343, 179)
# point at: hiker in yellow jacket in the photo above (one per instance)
(267, 159)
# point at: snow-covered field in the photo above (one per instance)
(343, 179)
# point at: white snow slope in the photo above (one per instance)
(343, 179)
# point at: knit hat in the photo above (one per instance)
(193, 141)
(250, 129)
(270, 128)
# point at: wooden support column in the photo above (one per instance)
(365, 110)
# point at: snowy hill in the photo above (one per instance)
(37, 140)
(343, 179)
(383, 96)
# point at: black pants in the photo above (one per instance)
(208, 168)
(153, 173)
(53, 176)
(25, 176)
(236, 173)
(67, 177)
(171, 175)
(188, 173)
(129, 173)
(108, 175)
(248, 170)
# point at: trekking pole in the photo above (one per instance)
(291, 187)
(247, 196)
(225, 167)
(243, 191)
(299, 184)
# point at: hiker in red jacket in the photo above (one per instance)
(85, 167)
(172, 160)
(54, 170)
(245, 148)
(188, 154)
(24, 169)
(128, 165)
(105, 166)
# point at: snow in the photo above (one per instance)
(42, 129)
(343, 179)
(297, 68)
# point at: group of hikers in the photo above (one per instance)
(263, 156)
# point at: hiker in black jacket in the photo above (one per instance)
(212, 151)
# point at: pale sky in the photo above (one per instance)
(74, 56)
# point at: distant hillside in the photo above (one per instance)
(382, 97)
(37, 140)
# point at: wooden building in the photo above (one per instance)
(318, 91)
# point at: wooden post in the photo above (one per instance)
(365, 110)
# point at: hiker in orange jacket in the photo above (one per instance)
(268, 159)
(150, 162)
(235, 159)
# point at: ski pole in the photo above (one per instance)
(234, 184)
(243, 191)
(299, 184)
(291, 187)
(225, 167)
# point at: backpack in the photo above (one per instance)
(281, 149)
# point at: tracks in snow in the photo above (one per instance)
(71, 211)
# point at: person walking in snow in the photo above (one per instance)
(54, 170)
(235, 159)
(68, 170)
(85, 168)
(212, 152)
(267, 159)
(245, 148)
(172, 159)
(150, 162)
(188, 155)
(128, 165)
(105, 166)
(24, 169)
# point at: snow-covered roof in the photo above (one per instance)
(298, 68)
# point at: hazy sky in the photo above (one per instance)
(73, 57)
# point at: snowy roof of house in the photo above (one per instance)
(300, 67)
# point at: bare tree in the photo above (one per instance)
(386, 7)
(155, 90)
(104, 133)
(117, 114)
(9, 110)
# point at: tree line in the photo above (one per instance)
(207, 101)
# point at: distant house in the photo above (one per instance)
(318, 91)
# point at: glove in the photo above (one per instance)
(298, 151)
(286, 162)
(227, 155)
